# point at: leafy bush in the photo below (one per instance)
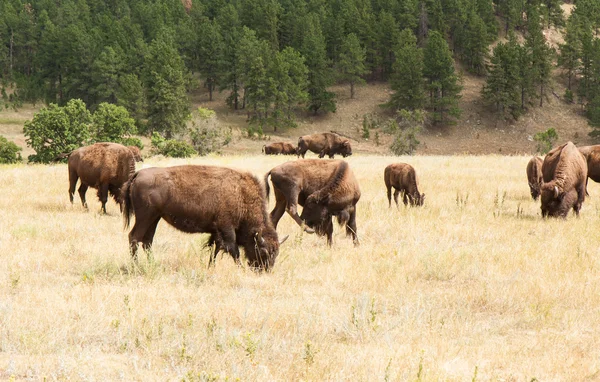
(133, 141)
(545, 140)
(9, 152)
(405, 128)
(56, 130)
(110, 123)
(171, 147)
(205, 134)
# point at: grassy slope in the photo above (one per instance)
(465, 282)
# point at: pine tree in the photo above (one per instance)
(443, 84)
(485, 10)
(351, 63)
(473, 41)
(290, 76)
(540, 53)
(570, 51)
(231, 69)
(502, 87)
(320, 77)
(511, 12)
(210, 53)
(387, 36)
(165, 84)
(407, 77)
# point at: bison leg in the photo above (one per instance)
(351, 227)
(230, 244)
(279, 209)
(82, 190)
(329, 232)
(73, 177)
(143, 231)
(331, 156)
(149, 236)
(103, 196)
(322, 154)
(389, 195)
(396, 193)
(581, 191)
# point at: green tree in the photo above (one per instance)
(290, 76)
(351, 63)
(9, 152)
(210, 51)
(56, 130)
(107, 69)
(231, 68)
(474, 43)
(443, 84)
(570, 51)
(388, 34)
(320, 76)
(111, 123)
(407, 80)
(539, 52)
(165, 84)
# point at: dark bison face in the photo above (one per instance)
(346, 149)
(316, 215)
(556, 203)
(265, 251)
(420, 199)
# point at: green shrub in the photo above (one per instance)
(171, 147)
(133, 141)
(569, 96)
(545, 140)
(205, 134)
(405, 128)
(57, 130)
(9, 152)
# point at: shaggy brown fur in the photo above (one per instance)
(279, 148)
(534, 176)
(228, 204)
(324, 188)
(137, 154)
(564, 172)
(592, 156)
(104, 166)
(402, 177)
(324, 144)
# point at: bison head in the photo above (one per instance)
(556, 202)
(420, 199)
(316, 215)
(346, 149)
(265, 250)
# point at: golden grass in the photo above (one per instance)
(473, 284)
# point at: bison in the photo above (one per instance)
(564, 172)
(228, 204)
(137, 154)
(324, 144)
(276, 148)
(534, 176)
(402, 177)
(324, 188)
(592, 157)
(104, 166)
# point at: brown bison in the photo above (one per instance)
(324, 188)
(534, 176)
(228, 204)
(324, 144)
(104, 166)
(276, 148)
(137, 154)
(564, 172)
(592, 156)
(402, 177)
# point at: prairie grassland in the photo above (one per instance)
(472, 286)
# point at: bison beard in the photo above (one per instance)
(229, 205)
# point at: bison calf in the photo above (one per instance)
(324, 144)
(564, 173)
(402, 177)
(276, 148)
(228, 204)
(104, 166)
(324, 188)
(534, 176)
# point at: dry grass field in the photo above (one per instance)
(472, 286)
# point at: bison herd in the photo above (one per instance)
(231, 205)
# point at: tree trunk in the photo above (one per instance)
(12, 34)
(210, 89)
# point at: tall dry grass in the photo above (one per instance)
(472, 286)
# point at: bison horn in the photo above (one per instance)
(258, 237)
(556, 191)
(284, 239)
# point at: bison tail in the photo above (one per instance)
(267, 189)
(126, 201)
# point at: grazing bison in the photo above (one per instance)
(104, 166)
(324, 188)
(276, 148)
(228, 204)
(564, 172)
(592, 156)
(324, 144)
(402, 177)
(137, 154)
(534, 176)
